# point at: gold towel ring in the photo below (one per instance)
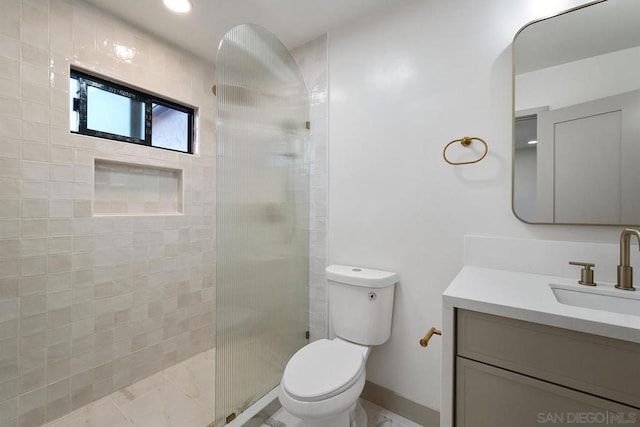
(466, 141)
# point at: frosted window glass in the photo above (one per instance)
(113, 113)
(170, 128)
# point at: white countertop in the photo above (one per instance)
(528, 297)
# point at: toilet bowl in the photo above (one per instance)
(323, 380)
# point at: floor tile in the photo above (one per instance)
(380, 417)
(165, 406)
(376, 417)
(196, 377)
(182, 395)
(101, 413)
(139, 389)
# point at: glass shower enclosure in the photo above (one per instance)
(262, 178)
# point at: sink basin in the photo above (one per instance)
(601, 297)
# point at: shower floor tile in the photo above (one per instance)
(181, 395)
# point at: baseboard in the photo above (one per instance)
(406, 408)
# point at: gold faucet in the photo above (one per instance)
(625, 271)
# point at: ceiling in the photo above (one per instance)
(295, 22)
(589, 31)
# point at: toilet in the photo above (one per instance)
(323, 380)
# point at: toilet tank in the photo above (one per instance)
(361, 303)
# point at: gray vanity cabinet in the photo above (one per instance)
(515, 373)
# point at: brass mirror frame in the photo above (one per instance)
(513, 119)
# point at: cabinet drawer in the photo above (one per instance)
(491, 397)
(602, 366)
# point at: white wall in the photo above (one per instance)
(573, 82)
(402, 85)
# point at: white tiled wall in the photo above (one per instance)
(312, 60)
(90, 304)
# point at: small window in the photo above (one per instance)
(109, 110)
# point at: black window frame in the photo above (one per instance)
(80, 106)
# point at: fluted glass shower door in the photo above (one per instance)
(262, 216)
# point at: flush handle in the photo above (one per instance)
(586, 274)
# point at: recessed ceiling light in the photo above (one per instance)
(178, 6)
(532, 142)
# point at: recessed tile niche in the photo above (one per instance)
(133, 189)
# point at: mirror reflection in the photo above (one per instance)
(577, 116)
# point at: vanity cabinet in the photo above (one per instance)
(515, 373)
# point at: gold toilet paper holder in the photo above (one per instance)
(425, 340)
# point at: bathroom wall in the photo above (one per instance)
(402, 85)
(571, 83)
(91, 303)
(312, 61)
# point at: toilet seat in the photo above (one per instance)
(322, 369)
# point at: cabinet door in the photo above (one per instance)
(491, 397)
(602, 366)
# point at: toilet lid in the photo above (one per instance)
(322, 369)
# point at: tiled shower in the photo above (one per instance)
(93, 298)
(101, 287)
